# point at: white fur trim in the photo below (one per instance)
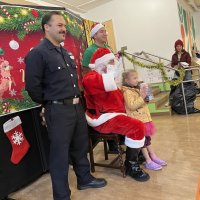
(109, 82)
(104, 59)
(102, 119)
(95, 29)
(134, 143)
(91, 66)
(11, 124)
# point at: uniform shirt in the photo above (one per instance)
(50, 73)
(88, 54)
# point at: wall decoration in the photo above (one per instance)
(20, 31)
(88, 24)
(187, 27)
(153, 69)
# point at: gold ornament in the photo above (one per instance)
(24, 12)
(12, 109)
(1, 19)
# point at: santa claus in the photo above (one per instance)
(106, 110)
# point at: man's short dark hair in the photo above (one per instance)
(47, 17)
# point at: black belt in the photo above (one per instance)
(93, 111)
(64, 101)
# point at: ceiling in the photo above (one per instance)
(81, 6)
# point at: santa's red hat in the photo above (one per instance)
(95, 28)
(101, 57)
(178, 42)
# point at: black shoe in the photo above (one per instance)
(198, 90)
(196, 110)
(95, 183)
(133, 169)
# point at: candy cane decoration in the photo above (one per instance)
(6, 107)
(28, 23)
(9, 83)
(5, 11)
(23, 74)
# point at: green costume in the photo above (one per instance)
(88, 54)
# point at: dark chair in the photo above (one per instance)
(94, 139)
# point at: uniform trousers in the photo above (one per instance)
(68, 135)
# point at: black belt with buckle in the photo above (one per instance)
(64, 101)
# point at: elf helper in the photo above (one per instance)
(99, 34)
(106, 110)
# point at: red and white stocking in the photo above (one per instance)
(14, 132)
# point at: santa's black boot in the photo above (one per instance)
(132, 166)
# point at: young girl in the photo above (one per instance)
(136, 107)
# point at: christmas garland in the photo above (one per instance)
(10, 105)
(158, 66)
(26, 20)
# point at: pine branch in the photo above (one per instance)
(20, 16)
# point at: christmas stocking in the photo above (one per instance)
(15, 134)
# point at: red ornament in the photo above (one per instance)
(35, 13)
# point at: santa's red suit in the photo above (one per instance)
(106, 110)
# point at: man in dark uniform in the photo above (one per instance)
(51, 80)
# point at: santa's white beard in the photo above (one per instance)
(100, 69)
(108, 68)
(116, 71)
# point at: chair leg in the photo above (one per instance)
(105, 149)
(91, 155)
(117, 160)
(120, 153)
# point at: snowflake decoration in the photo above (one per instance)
(17, 138)
(20, 60)
(12, 92)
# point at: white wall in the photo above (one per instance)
(197, 25)
(149, 25)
